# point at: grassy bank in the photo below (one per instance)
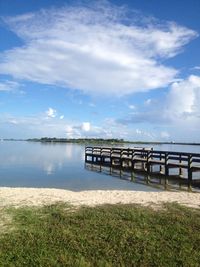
(120, 235)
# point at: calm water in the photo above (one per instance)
(29, 164)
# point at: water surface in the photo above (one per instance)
(48, 165)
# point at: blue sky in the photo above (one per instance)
(108, 69)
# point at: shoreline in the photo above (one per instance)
(85, 141)
(21, 196)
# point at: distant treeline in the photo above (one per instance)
(102, 141)
(77, 140)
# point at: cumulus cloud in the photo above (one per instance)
(81, 130)
(86, 126)
(96, 49)
(178, 111)
(183, 99)
(180, 103)
(182, 109)
(37, 126)
(51, 113)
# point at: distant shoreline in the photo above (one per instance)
(98, 141)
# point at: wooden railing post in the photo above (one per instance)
(166, 164)
(180, 169)
(189, 172)
(160, 161)
(110, 154)
(100, 159)
(121, 163)
(166, 169)
(85, 154)
(133, 162)
(148, 160)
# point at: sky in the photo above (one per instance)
(100, 69)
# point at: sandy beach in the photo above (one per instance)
(18, 197)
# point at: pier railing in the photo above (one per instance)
(146, 160)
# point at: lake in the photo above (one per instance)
(56, 165)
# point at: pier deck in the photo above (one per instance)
(152, 162)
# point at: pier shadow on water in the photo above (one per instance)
(153, 181)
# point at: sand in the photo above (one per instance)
(18, 197)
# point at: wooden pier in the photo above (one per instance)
(168, 164)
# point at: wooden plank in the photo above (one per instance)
(139, 160)
(177, 165)
(157, 162)
(195, 169)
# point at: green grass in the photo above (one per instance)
(111, 235)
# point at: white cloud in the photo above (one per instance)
(196, 68)
(144, 134)
(174, 115)
(183, 99)
(92, 105)
(13, 121)
(70, 132)
(132, 107)
(37, 126)
(164, 135)
(8, 86)
(180, 103)
(51, 113)
(182, 110)
(92, 49)
(86, 126)
(138, 131)
(148, 101)
(61, 117)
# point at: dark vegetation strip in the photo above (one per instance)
(111, 235)
(101, 141)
